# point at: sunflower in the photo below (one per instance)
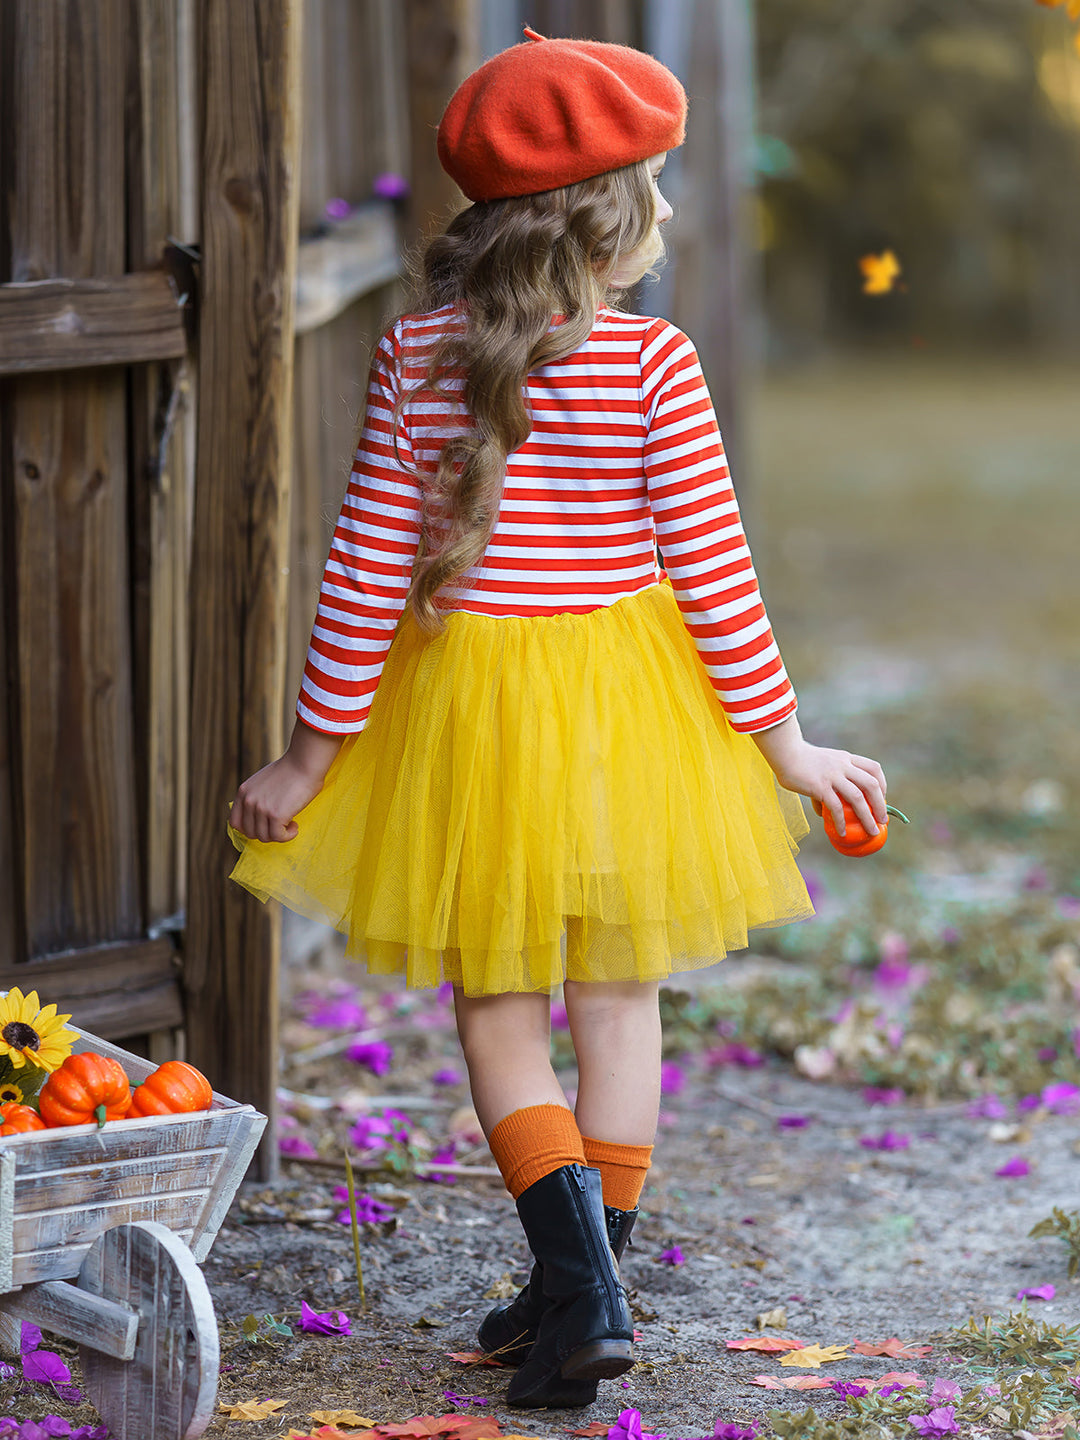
(10, 1093)
(31, 1034)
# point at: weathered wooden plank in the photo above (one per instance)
(118, 1180)
(162, 467)
(442, 46)
(245, 1138)
(77, 1315)
(70, 324)
(51, 1151)
(68, 446)
(7, 1206)
(251, 69)
(113, 990)
(78, 1224)
(61, 1264)
(354, 258)
(168, 1389)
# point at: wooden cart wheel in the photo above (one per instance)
(168, 1389)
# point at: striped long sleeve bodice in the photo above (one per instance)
(624, 455)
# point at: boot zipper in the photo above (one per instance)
(598, 1260)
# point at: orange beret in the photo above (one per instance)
(551, 112)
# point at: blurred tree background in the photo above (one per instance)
(945, 130)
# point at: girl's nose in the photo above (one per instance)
(663, 210)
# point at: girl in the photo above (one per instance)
(524, 755)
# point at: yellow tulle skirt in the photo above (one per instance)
(540, 799)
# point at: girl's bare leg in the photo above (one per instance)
(506, 1040)
(615, 1027)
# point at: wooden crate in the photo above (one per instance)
(60, 1189)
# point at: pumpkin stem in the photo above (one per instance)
(892, 810)
(100, 1113)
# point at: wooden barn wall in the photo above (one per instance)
(354, 128)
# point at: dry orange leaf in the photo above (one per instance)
(907, 1378)
(252, 1409)
(791, 1382)
(596, 1427)
(343, 1417)
(880, 272)
(462, 1427)
(894, 1348)
(813, 1356)
(764, 1342)
(471, 1357)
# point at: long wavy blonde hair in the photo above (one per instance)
(510, 266)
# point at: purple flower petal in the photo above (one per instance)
(988, 1107)
(1016, 1166)
(456, 1399)
(875, 1096)
(888, 1140)
(29, 1338)
(940, 1421)
(338, 209)
(628, 1426)
(390, 186)
(945, 1390)
(447, 1076)
(734, 1432)
(792, 1122)
(1068, 907)
(297, 1145)
(327, 1322)
(1029, 1102)
(46, 1368)
(674, 1256)
(1061, 1098)
(672, 1078)
(339, 1015)
(368, 1210)
(445, 1154)
(847, 1387)
(376, 1055)
(1037, 1292)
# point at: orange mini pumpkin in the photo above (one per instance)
(856, 839)
(86, 1087)
(16, 1119)
(174, 1088)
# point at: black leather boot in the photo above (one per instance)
(508, 1331)
(585, 1333)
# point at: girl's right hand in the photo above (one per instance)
(826, 777)
(267, 802)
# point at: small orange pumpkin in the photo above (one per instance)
(16, 1119)
(856, 839)
(175, 1088)
(86, 1087)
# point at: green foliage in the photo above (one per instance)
(1014, 1339)
(1065, 1225)
(269, 1330)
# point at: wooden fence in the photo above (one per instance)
(183, 348)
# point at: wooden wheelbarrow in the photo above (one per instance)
(101, 1235)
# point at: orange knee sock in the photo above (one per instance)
(533, 1142)
(622, 1170)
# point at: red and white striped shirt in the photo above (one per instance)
(624, 454)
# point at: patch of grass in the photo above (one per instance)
(1066, 1226)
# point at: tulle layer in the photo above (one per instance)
(536, 799)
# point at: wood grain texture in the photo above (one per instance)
(357, 256)
(77, 1315)
(69, 324)
(251, 69)
(76, 810)
(167, 1390)
(162, 467)
(8, 1164)
(442, 47)
(245, 1136)
(121, 1179)
(113, 990)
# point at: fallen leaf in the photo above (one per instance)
(776, 1318)
(791, 1382)
(465, 1427)
(879, 272)
(815, 1355)
(598, 1427)
(894, 1348)
(252, 1409)
(764, 1342)
(471, 1357)
(503, 1288)
(907, 1378)
(342, 1417)
(425, 1324)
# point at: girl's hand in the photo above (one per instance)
(268, 801)
(827, 777)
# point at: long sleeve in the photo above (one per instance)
(701, 536)
(367, 576)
